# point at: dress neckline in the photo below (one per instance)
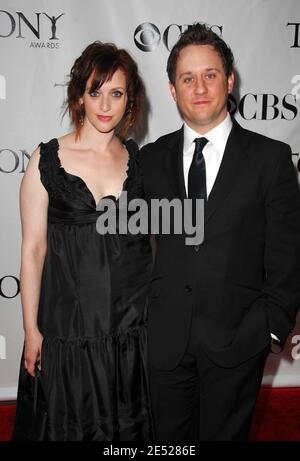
(82, 181)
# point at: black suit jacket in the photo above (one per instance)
(243, 281)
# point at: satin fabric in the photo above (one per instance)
(92, 314)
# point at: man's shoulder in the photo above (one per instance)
(163, 142)
(262, 146)
(262, 139)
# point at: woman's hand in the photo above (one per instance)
(32, 353)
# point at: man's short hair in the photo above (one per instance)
(200, 34)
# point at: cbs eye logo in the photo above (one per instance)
(147, 36)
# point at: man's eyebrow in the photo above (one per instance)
(186, 73)
(208, 69)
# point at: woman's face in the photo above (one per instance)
(105, 107)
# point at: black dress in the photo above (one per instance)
(92, 314)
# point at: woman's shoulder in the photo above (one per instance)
(60, 141)
(67, 140)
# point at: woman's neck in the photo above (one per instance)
(92, 139)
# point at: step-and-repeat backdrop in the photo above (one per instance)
(39, 40)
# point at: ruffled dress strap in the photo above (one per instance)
(49, 164)
(134, 173)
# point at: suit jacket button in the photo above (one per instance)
(188, 288)
(196, 247)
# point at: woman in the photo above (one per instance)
(83, 294)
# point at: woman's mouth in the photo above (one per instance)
(104, 118)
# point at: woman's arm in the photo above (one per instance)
(33, 206)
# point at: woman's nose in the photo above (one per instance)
(104, 103)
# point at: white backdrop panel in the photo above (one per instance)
(37, 49)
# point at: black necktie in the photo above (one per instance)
(197, 174)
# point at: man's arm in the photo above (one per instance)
(282, 248)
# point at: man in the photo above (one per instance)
(214, 308)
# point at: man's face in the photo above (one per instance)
(201, 87)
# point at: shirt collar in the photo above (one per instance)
(217, 136)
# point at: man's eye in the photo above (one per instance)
(188, 80)
(210, 76)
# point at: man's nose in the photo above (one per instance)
(200, 86)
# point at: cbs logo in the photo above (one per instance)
(147, 36)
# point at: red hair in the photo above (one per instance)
(102, 60)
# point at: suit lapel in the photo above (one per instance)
(173, 164)
(233, 163)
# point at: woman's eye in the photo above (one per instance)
(117, 93)
(94, 94)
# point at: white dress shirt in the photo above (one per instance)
(213, 153)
